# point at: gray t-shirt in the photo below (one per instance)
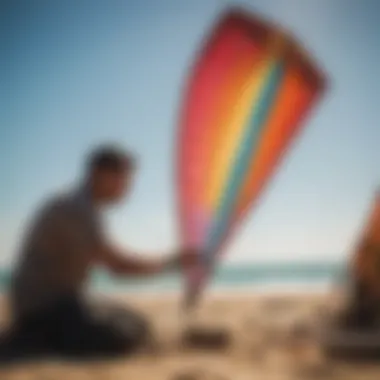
(57, 253)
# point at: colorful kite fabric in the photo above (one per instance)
(246, 98)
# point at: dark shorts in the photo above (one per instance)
(68, 328)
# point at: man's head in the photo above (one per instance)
(109, 173)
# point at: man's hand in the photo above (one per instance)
(184, 258)
(189, 257)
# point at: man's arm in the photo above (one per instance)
(81, 233)
(129, 264)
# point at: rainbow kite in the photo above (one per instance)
(248, 93)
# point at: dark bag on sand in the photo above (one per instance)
(206, 338)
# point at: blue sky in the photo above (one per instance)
(75, 73)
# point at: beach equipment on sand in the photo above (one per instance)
(355, 332)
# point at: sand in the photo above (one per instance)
(273, 338)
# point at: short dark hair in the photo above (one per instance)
(110, 157)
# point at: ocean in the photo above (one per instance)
(263, 276)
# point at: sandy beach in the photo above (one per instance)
(272, 338)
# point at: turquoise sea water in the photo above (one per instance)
(226, 277)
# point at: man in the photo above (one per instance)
(64, 242)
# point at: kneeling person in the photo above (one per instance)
(64, 242)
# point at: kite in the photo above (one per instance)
(247, 96)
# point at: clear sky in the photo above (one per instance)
(74, 73)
